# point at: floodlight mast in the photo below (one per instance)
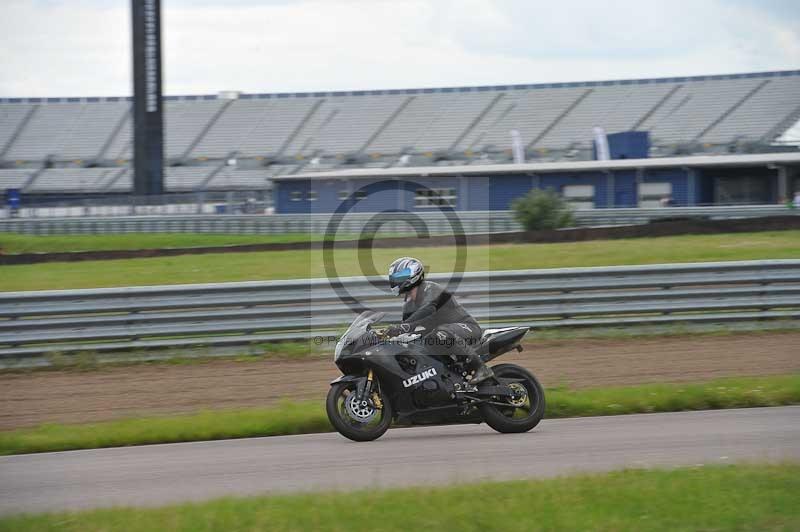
(148, 125)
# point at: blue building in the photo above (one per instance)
(687, 181)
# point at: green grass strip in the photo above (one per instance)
(738, 392)
(303, 264)
(735, 497)
(301, 418)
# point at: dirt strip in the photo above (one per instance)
(28, 399)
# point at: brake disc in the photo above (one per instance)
(520, 394)
(362, 411)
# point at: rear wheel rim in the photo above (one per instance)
(522, 408)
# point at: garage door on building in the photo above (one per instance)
(579, 196)
(651, 194)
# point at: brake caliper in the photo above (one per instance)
(376, 400)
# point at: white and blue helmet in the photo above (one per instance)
(404, 274)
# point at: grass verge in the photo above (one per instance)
(300, 418)
(301, 264)
(735, 497)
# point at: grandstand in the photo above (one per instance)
(241, 141)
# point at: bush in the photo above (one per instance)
(542, 209)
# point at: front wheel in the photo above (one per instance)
(359, 420)
(525, 410)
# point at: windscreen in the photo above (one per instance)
(357, 329)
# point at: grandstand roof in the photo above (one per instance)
(423, 90)
(695, 161)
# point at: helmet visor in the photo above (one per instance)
(398, 277)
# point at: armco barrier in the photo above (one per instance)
(436, 223)
(115, 319)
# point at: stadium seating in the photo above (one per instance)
(758, 112)
(120, 147)
(184, 121)
(183, 178)
(48, 145)
(14, 178)
(233, 178)
(46, 131)
(71, 179)
(11, 118)
(92, 129)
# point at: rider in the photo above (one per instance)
(434, 312)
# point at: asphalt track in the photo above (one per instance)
(161, 474)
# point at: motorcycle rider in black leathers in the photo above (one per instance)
(434, 313)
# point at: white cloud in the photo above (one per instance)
(64, 49)
(82, 47)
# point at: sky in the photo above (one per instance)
(82, 47)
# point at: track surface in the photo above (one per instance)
(160, 474)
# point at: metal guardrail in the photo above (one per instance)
(436, 223)
(639, 215)
(98, 320)
(130, 205)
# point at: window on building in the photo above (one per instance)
(295, 195)
(741, 189)
(312, 195)
(435, 197)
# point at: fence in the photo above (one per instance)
(99, 320)
(129, 205)
(471, 221)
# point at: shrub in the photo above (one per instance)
(542, 209)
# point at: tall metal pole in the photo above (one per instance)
(148, 134)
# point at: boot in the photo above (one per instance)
(482, 371)
(481, 374)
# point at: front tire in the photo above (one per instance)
(354, 420)
(513, 419)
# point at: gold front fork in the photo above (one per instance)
(376, 398)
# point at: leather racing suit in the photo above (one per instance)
(448, 327)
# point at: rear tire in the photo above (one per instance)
(348, 426)
(504, 419)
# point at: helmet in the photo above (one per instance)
(404, 274)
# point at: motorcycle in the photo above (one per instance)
(394, 380)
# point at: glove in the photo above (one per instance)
(397, 330)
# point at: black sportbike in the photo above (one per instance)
(395, 379)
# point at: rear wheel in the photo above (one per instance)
(362, 419)
(525, 410)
